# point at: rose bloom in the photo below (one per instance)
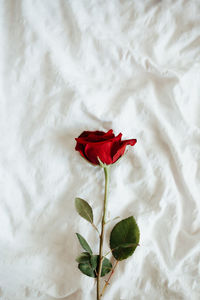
(103, 145)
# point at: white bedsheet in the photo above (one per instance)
(69, 66)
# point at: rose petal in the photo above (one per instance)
(103, 151)
(88, 133)
(95, 136)
(121, 148)
(80, 148)
(99, 138)
(95, 140)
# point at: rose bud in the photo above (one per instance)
(95, 145)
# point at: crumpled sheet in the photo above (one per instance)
(69, 66)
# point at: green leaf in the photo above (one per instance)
(86, 269)
(124, 238)
(84, 257)
(90, 268)
(94, 261)
(106, 267)
(126, 245)
(83, 243)
(84, 209)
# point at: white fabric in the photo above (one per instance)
(69, 66)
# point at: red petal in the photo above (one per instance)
(88, 133)
(103, 151)
(80, 148)
(97, 139)
(120, 148)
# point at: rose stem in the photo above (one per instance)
(107, 281)
(106, 172)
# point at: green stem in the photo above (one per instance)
(106, 172)
(107, 282)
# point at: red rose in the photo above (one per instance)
(103, 145)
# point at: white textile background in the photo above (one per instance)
(69, 66)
